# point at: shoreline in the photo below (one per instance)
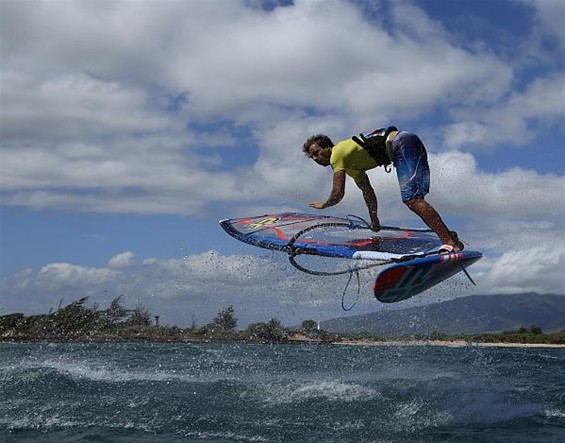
(291, 341)
(449, 344)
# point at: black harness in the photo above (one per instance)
(374, 142)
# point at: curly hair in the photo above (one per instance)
(323, 141)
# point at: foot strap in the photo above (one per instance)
(446, 249)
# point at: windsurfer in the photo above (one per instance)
(383, 147)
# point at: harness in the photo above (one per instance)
(374, 142)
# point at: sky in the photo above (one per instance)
(128, 129)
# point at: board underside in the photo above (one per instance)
(401, 281)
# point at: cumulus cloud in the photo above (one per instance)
(59, 275)
(123, 260)
(513, 122)
(519, 192)
(102, 117)
(549, 19)
(43, 288)
(542, 274)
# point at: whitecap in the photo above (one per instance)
(554, 413)
(330, 390)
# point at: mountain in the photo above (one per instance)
(467, 315)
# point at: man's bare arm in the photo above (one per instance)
(370, 200)
(338, 191)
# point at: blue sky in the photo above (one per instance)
(128, 129)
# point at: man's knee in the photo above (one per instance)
(415, 204)
(412, 203)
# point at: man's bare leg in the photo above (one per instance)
(431, 218)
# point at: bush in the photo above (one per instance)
(10, 321)
(271, 331)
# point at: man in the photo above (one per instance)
(382, 147)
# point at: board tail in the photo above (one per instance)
(404, 280)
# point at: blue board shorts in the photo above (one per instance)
(410, 159)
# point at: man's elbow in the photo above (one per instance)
(365, 186)
(336, 197)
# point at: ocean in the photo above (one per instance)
(158, 392)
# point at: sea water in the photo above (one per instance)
(279, 393)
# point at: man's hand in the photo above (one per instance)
(317, 205)
(338, 190)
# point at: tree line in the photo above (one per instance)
(80, 321)
(77, 318)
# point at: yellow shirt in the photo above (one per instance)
(348, 156)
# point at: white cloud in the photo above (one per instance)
(537, 269)
(66, 275)
(123, 260)
(463, 189)
(543, 101)
(549, 18)
(90, 123)
(74, 106)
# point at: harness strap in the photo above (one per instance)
(374, 142)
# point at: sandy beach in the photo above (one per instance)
(452, 344)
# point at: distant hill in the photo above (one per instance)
(468, 315)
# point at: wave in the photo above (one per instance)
(101, 371)
(264, 393)
(285, 392)
(555, 413)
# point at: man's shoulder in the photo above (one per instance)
(349, 156)
(344, 154)
(345, 147)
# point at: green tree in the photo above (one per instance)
(437, 336)
(225, 321)
(309, 325)
(139, 316)
(74, 318)
(271, 331)
(11, 321)
(116, 312)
